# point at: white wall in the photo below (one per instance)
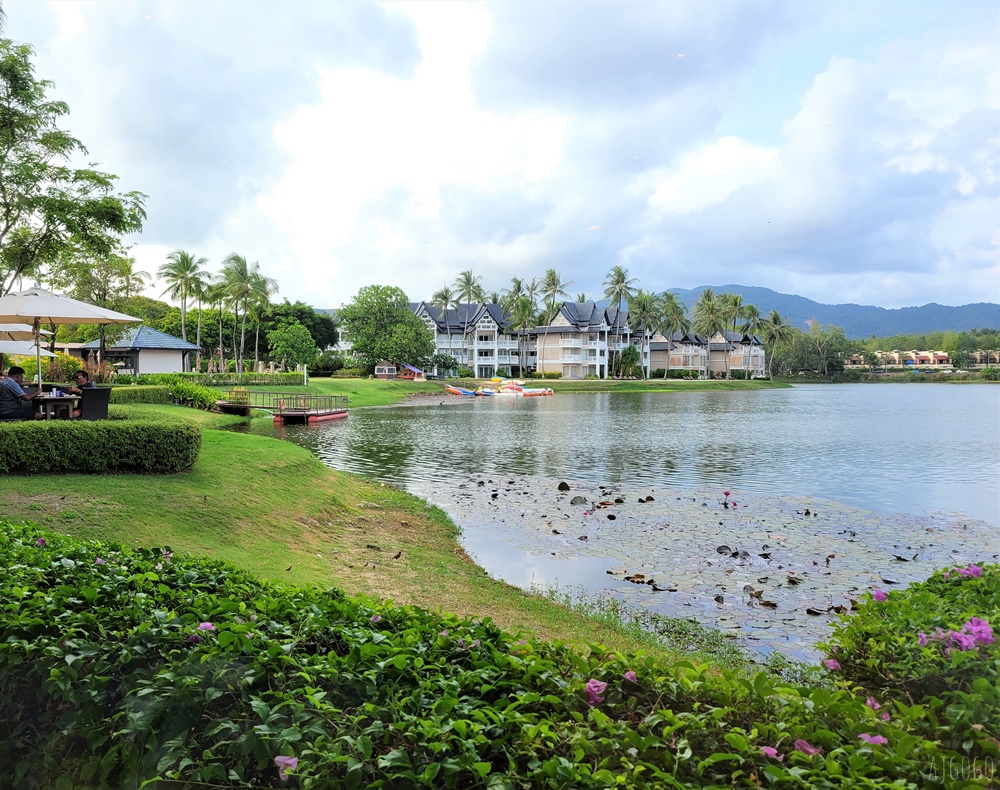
(153, 360)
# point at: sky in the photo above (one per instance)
(845, 151)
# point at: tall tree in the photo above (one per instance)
(510, 295)
(776, 330)
(46, 207)
(710, 320)
(184, 274)
(551, 287)
(751, 324)
(259, 305)
(732, 311)
(242, 283)
(644, 317)
(444, 300)
(618, 287)
(382, 326)
(523, 316)
(468, 289)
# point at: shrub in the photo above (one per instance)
(195, 395)
(65, 446)
(141, 394)
(658, 373)
(552, 374)
(120, 667)
(932, 647)
(990, 373)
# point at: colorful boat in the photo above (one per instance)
(535, 392)
(459, 391)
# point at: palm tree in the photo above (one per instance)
(444, 299)
(132, 280)
(551, 287)
(259, 305)
(709, 319)
(183, 274)
(522, 317)
(618, 287)
(732, 311)
(510, 295)
(581, 298)
(468, 288)
(199, 288)
(643, 316)
(241, 281)
(776, 330)
(215, 293)
(751, 324)
(673, 319)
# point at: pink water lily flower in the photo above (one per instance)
(594, 690)
(876, 740)
(832, 664)
(725, 493)
(806, 748)
(285, 765)
(770, 751)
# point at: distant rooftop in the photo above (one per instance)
(146, 337)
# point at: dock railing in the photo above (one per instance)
(285, 401)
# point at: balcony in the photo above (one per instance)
(570, 342)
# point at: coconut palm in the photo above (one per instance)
(468, 289)
(183, 274)
(643, 318)
(551, 287)
(259, 305)
(510, 295)
(522, 317)
(132, 280)
(751, 323)
(710, 319)
(581, 298)
(443, 300)
(732, 310)
(243, 282)
(776, 330)
(618, 287)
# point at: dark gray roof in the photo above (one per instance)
(147, 337)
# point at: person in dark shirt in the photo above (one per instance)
(83, 382)
(11, 394)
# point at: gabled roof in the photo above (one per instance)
(582, 317)
(146, 337)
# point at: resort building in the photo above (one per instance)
(143, 349)
(580, 341)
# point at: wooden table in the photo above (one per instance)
(51, 404)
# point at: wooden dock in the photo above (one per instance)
(287, 408)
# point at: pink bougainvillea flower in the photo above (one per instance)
(947, 574)
(770, 751)
(98, 561)
(832, 664)
(922, 639)
(445, 632)
(806, 748)
(872, 703)
(878, 595)
(630, 676)
(206, 627)
(963, 640)
(885, 716)
(285, 765)
(971, 570)
(980, 630)
(594, 690)
(41, 542)
(876, 740)
(194, 639)
(375, 618)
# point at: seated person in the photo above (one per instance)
(11, 395)
(82, 379)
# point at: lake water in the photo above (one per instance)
(837, 489)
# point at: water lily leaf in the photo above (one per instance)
(578, 500)
(723, 549)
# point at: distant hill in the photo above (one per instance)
(859, 320)
(856, 320)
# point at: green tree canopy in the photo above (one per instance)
(46, 206)
(292, 343)
(381, 325)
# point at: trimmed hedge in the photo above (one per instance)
(212, 379)
(67, 446)
(121, 667)
(141, 394)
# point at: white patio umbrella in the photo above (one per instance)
(41, 306)
(23, 348)
(19, 332)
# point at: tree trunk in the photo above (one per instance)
(198, 352)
